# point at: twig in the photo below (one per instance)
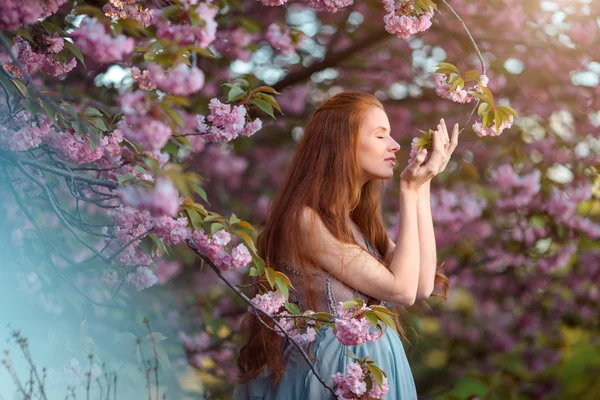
(256, 308)
(469, 34)
(12, 159)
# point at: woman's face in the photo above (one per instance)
(376, 148)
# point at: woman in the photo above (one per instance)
(325, 231)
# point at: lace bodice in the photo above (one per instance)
(328, 291)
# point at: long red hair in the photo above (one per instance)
(325, 176)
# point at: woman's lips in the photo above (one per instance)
(391, 162)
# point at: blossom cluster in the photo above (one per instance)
(282, 41)
(214, 249)
(16, 13)
(406, 24)
(271, 301)
(21, 133)
(180, 80)
(491, 130)
(460, 94)
(92, 38)
(39, 58)
(353, 328)
(351, 384)
(202, 34)
(299, 329)
(163, 199)
(227, 122)
(330, 5)
(130, 10)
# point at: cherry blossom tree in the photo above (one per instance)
(140, 140)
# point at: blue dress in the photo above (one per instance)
(298, 381)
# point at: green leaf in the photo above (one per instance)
(449, 66)
(283, 288)
(386, 319)
(19, 85)
(480, 96)
(269, 99)
(349, 304)
(376, 372)
(234, 219)
(122, 179)
(483, 107)
(247, 239)
(147, 245)
(486, 119)
(260, 265)
(471, 75)
(293, 308)
(498, 119)
(195, 218)
(283, 278)
(263, 105)
(488, 94)
(509, 111)
(459, 83)
(370, 315)
(215, 227)
(445, 71)
(235, 93)
(93, 111)
(76, 52)
(350, 354)
(267, 89)
(270, 275)
(253, 271)
(99, 123)
(50, 111)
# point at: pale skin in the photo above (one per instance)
(410, 276)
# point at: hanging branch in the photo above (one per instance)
(258, 309)
(483, 69)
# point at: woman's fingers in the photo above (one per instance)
(445, 130)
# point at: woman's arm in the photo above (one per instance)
(357, 268)
(427, 245)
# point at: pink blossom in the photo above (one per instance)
(130, 223)
(442, 88)
(251, 127)
(93, 40)
(143, 79)
(234, 43)
(110, 277)
(172, 231)
(21, 133)
(227, 121)
(273, 3)
(141, 279)
(54, 42)
(201, 35)
(119, 9)
(135, 103)
(481, 131)
(403, 26)
(167, 270)
(351, 384)
(414, 150)
(34, 60)
(150, 133)
(330, 5)
(221, 238)
(353, 328)
(72, 147)
(26, 12)
(280, 40)
(240, 256)
(181, 80)
(163, 199)
(270, 302)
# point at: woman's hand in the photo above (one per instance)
(425, 166)
(449, 143)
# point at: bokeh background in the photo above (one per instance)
(517, 217)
